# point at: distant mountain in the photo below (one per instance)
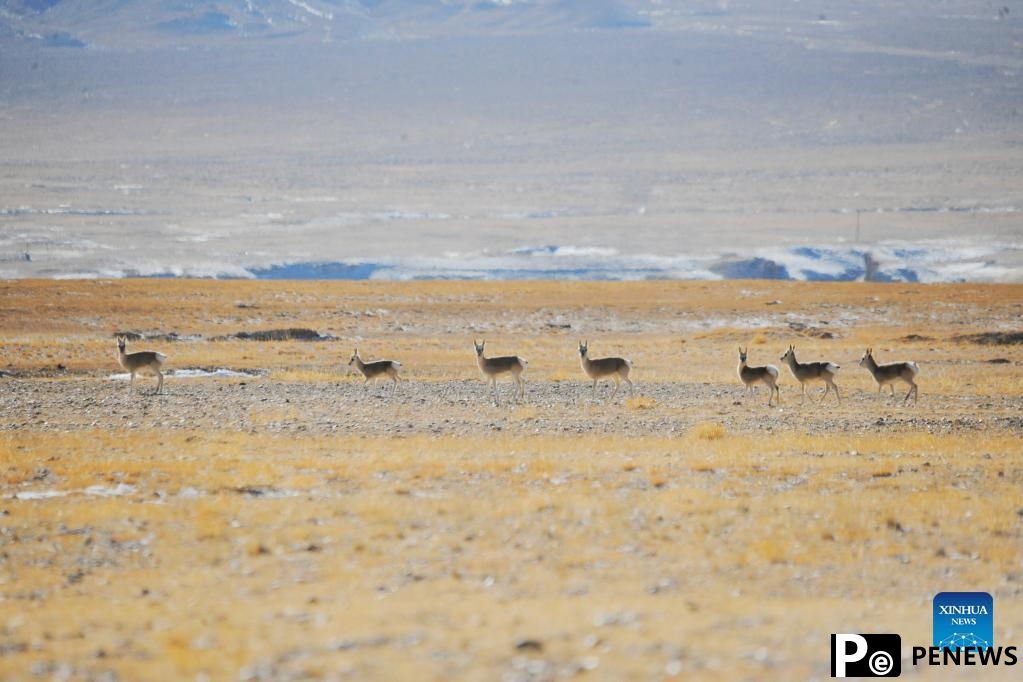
(139, 23)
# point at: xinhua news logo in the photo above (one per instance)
(866, 655)
(963, 620)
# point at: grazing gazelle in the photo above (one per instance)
(492, 368)
(751, 376)
(142, 361)
(890, 373)
(812, 371)
(615, 368)
(377, 368)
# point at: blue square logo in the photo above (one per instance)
(964, 620)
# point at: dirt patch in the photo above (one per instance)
(809, 330)
(992, 338)
(154, 336)
(289, 334)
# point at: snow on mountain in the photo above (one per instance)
(140, 23)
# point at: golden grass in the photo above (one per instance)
(246, 552)
(640, 402)
(419, 538)
(708, 431)
(525, 412)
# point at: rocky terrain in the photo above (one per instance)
(268, 517)
(465, 408)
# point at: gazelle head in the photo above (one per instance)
(867, 356)
(121, 342)
(743, 353)
(584, 348)
(355, 356)
(790, 353)
(479, 347)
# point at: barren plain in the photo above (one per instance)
(289, 523)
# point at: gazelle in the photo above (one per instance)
(751, 376)
(142, 361)
(377, 368)
(492, 368)
(615, 368)
(890, 373)
(812, 371)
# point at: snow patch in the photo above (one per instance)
(96, 490)
(195, 373)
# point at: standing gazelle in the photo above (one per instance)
(890, 373)
(377, 368)
(492, 368)
(142, 361)
(812, 371)
(615, 368)
(751, 376)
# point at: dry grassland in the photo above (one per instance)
(298, 526)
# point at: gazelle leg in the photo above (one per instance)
(631, 388)
(493, 388)
(802, 397)
(159, 386)
(770, 394)
(827, 387)
(838, 398)
(131, 384)
(614, 392)
(594, 390)
(912, 389)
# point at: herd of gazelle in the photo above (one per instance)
(616, 369)
(808, 372)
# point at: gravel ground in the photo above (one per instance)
(465, 408)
